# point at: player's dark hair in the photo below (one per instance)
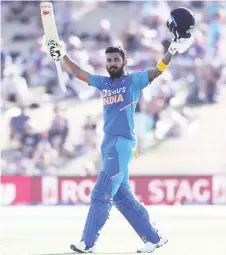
(114, 49)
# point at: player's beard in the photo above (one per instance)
(116, 72)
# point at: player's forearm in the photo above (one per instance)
(75, 69)
(167, 58)
(72, 66)
(162, 65)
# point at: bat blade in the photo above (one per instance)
(60, 76)
(48, 21)
(50, 29)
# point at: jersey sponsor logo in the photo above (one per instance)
(113, 96)
(112, 92)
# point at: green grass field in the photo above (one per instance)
(191, 230)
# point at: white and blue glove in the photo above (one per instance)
(55, 50)
(180, 45)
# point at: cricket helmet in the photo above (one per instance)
(181, 22)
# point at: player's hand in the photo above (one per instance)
(54, 49)
(180, 45)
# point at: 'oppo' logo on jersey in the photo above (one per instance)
(109, 92)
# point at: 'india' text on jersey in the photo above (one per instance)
(119, 101)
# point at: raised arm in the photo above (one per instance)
(58, 53)
(75, 69)
(162, 65)
(177, 46)
(180, 24)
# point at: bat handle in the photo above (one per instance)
(60, 76)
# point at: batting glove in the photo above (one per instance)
(180, 45)
(55, 50)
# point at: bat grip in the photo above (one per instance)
(60, 76)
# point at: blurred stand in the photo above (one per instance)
(45, 131)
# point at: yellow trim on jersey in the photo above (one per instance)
(136, 153)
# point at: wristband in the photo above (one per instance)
(161, 66)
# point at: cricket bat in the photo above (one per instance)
(50, 29)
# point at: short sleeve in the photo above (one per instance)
(140, 79)
(96, 81)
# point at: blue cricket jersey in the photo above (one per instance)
(119, 100)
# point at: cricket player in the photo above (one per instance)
(121, 91)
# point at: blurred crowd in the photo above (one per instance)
(29, 84)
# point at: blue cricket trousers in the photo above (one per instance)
(117, 152)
